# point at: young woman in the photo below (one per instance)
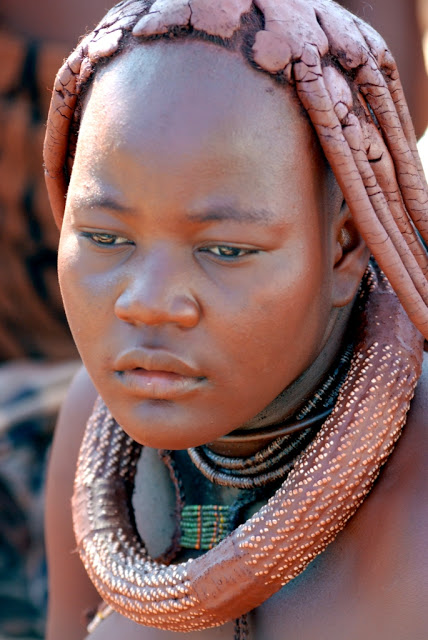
(214, 265)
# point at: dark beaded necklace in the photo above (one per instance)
(274, 461)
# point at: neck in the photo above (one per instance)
(291, 399)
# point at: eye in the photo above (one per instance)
(106, 239)
(227, 251)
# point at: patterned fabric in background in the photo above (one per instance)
(32, 326)
(30, 395)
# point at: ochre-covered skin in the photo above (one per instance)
(329, 481)
(346, 80)
(364, 127)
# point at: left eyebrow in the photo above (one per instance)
(235, 215)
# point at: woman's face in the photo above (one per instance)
(195, 257)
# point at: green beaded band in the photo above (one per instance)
(204, 526)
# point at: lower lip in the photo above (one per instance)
(158, 385)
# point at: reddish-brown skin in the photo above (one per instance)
(132, 305)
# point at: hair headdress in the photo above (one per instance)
(345, 78)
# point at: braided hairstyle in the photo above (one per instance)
(346, 80)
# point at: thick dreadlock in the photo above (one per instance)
(345, 78)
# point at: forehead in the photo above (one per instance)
(199, 82)
(174, 103)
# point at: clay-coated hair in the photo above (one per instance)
(346, 80)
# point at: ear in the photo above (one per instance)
(350, 258)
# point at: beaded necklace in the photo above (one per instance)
(329, 480)
(202, 526)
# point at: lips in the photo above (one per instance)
(157, 374)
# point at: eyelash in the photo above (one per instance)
(223, 251)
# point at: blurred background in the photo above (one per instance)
(37, 356)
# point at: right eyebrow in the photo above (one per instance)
(94, 202)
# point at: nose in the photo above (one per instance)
(157, 291)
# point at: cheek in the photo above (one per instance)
(297, 314)
(68, 269)
(276, 326)
(84, 298)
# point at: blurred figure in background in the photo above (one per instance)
(37, 355)
(401, 23)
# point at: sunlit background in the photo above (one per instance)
(423, 16)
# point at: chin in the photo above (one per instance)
(158, 428)
(167, 439)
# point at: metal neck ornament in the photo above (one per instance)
(329, 480)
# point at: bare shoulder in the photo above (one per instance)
(418, 414)
(72, 419)
(415, 448)
(414, 441)
(406, 481)
(70, 591)
(407, 473)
